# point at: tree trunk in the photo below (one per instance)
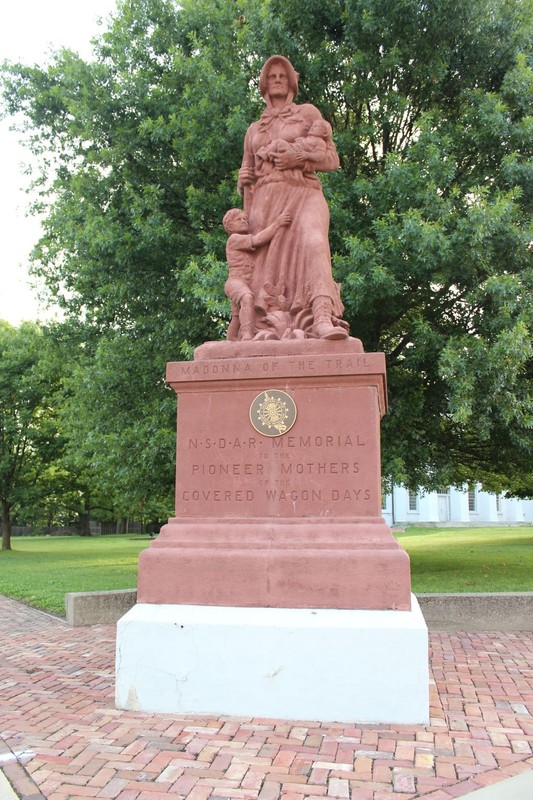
(122, 525)
(6, 525)
(85, 528)
(84, 518)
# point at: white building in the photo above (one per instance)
(454, 507)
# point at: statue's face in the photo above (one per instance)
(277, 81)
(239, 223)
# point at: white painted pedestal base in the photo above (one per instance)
(301, 664)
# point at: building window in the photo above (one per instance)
(413, 501)
(498, 504)
(472, 499)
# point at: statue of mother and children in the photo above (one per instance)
(280, 281)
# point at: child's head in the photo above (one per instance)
(232, 219)
(321, 129)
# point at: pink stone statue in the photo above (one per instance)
(240, 253)
(286, 289)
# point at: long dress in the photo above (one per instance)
(295, 268)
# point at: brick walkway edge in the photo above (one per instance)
(61, 737)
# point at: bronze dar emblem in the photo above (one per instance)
(273, 412)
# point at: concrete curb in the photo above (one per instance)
(519, 787)
(15, 782)
(93, 608)
(495, 611)
(487, 611)
(6, 790)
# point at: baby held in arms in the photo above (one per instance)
(305, 148)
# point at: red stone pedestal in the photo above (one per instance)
(290, 521)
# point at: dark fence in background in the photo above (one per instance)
(97, 528)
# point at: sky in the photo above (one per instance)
(29, 31)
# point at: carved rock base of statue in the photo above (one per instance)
(278, 520)
(289, 519)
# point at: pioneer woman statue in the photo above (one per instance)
(295, 295)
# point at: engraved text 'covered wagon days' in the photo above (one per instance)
(240, 495)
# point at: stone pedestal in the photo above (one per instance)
(300, 664)
(290, 520)
(277, 590)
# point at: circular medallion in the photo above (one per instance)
(273, 412)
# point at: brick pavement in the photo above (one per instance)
(61, 737)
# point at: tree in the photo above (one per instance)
(432, 110)
(124, 458)
(125, 211)
(30, 442)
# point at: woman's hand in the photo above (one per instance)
(246, 176)
(287, 160)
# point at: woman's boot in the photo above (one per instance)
(323, 326)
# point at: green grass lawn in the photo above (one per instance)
(470, 559)
(41, 570)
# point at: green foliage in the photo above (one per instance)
(432, 110)
(119, 420)
(30, 442)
